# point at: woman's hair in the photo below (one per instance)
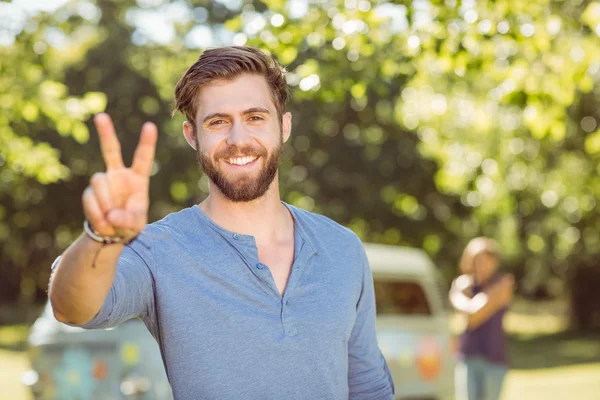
(229, 63)
(477, 246)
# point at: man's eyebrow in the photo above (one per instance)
(215, 115)
(256, 110)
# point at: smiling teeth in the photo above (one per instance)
(241, 160)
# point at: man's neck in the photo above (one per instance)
(265, 218)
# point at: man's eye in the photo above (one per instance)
(218, 122)
(256, 118)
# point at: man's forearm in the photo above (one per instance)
(77, 290)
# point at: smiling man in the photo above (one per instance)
(247, 296)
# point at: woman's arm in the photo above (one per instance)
(484, 305)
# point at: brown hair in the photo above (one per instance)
(229, 63)
(477, 246)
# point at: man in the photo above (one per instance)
(248, 297)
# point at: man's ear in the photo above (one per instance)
(286, 126)
(190, 134)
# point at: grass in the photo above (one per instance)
(553, 366)
(12, 365)
(579, 382)
(554, 350)
(547, 362)
(13, 361)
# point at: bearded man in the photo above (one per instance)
(248, 297)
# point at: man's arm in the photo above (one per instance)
(484, 305)
(368, 374)
(130, 294)
(116, 204)
(77, 291)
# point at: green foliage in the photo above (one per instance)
(500, 95)
(421, 124)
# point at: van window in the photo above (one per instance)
(400, 297)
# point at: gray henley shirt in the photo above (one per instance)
(225, 331)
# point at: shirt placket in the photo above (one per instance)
(248, 252)
(301, 259)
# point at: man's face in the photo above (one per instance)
(238, 136)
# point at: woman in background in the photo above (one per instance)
(483, 294)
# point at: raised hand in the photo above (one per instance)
(116, 201)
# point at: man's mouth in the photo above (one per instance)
(241, 161)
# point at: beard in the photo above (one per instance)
(243, 188)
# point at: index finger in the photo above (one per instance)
(109, 144)
(144, 152)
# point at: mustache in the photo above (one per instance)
(236, 151)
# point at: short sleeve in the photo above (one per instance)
(368, 374)
(132, 292)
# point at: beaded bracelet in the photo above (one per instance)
(105, 240)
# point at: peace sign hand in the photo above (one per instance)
(116, 201)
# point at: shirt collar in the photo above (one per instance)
(300, 228)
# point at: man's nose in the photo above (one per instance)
(238, 135)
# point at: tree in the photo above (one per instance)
(37, 111)
(502, 97)
(422, 124)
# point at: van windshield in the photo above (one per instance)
(400, 297)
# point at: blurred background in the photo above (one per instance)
(418, 123)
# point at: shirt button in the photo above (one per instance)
(260, 266)
(236, 236)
